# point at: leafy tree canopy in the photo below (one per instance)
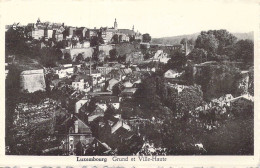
(147, 38)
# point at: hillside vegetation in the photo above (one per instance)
(177, 39)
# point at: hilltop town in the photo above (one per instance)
(110, 91)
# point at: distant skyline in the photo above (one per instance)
(158, 18)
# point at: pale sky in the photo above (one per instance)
(160, 18)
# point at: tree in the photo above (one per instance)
(149, 95)
(245, 51)
(74, 43)
(117, 89)
(79, 149)
(188, 100)
(224, 39)
(122, 58)
(217, 80)
(131, 39)
(113, 55)
(87, 59)
(95, 55)
(215, 41)
(198, 55)
(207, 42)
(60, 44)
(147, 38)
(144, 49)
(92, 105)
(94, 41)
(170, 97)
(120, 38)
(115, 39)
(67, 56)
(234, 137)
(110, 112)
(191, 41)
(49, 56)
(184, 41)
(177, 61)
(79, 58)
(251, 81)
(15, 42)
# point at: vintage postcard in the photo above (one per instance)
(129, 83)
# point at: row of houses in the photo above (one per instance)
(59, 32)
(84, 120)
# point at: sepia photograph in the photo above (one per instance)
(129, 78)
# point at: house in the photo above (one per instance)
(160, 56)
(111, 83)
(98, 112)
(134, 57)
(86, 44)
(102, 101)
(71, 31)
(90, 33)
(245, 97)
(126, 71)
(97, 147)
(37, 33)
(223, 100)
(127, 84)
(58, 36)
(82, 83)
(79, 104)
(128, 92)
(104, 70)
(134, 77)
(116, 74)
(49, 32)
(179, 88)
(55, 83)
(121, 124)
(170, 74)
(81, 32)
(65, 70)
(79, 135)
(95, 73)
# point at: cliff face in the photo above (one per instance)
(32, 80)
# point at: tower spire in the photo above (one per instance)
(115, 24)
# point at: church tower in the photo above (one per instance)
(133, 28)
(115, 24)
(38, 21)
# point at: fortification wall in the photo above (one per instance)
(32, 80)
(74, 52)
(105, 48)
